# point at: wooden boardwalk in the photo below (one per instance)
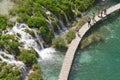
(64, 73)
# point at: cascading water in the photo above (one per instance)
(59, 20)
(50, 22)
(68, 23)
(11, 60)
(39, 38)
(62, 25)
(29, 41)
(19, 30)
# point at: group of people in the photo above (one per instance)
(100, 15)
(101, 12)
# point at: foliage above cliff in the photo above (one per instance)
(36, 12)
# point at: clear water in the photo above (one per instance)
(100, 61)
(51, 67)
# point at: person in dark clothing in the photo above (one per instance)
(89, 22)
(105, 11)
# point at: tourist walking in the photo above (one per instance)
(101, 12)
(93, 18)
(77, 30)
(105, 11)
(89, 22)
(78, 34)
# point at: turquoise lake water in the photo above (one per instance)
(100, 61)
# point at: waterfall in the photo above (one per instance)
(57, 24)
(29, 41)
(51, 25)
(62, 25)
(26, 38)
(39, 38)
(47, 53)
(11, 60)
(60, 21)
(66, 18)
(49, 20)
(59, 28)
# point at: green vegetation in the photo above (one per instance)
(3, 22)
(9, 72)
(33, 12)
(28, 58)
(9, 43)
(82, 21)
(36, 74)
(59, 43)
(46, 34)
(70, 36)
(31, 32)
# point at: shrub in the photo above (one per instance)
(31, 32)
(59, 43)
(28, 58)
(9, 43)
(70, 36)
(9, 72)
(3, 22)
(46, 34)
(36, 74)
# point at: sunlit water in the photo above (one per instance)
(100, 61)
(51, 66)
